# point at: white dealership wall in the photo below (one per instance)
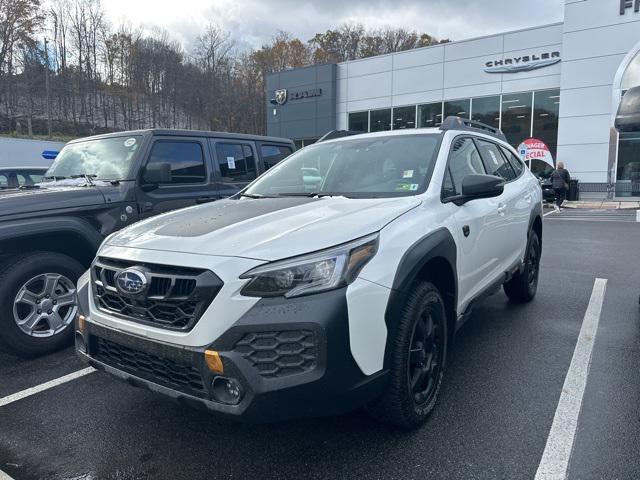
(595, 41)
(598, 43)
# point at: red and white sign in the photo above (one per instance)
(535, 149)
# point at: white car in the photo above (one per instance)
(281, 302)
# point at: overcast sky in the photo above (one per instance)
(253, 22)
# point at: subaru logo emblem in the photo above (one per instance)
(131, 281)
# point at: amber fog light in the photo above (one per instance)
(213, 361)
(226, 390)
(80, 323)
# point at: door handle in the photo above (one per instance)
(527, 197)
(204, 199)
(502, 209)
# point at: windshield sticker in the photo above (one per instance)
(231, 163)
(407, 174)
(406, 187)
(129, 142)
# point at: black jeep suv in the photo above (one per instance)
(50, 232)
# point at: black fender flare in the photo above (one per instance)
(24, 228)
(437, 244)
(536, 213)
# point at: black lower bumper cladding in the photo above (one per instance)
(290, 356)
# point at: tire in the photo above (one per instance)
(403, 405)
(46, 323)
(523, 286)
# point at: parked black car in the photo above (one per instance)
(15, 177)
(49, 232)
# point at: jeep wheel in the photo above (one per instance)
(418, 355)
(523, 286)
(38, 302)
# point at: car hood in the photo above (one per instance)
(20, 201)
(264, 229)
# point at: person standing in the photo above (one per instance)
(560, 182)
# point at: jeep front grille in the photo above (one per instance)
(174, 299)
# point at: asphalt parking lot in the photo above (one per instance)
(497, 406)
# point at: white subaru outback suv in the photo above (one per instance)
(335, 280)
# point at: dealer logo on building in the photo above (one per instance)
(525, 63)
(281, 96)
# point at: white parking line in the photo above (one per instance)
(4, 476)
(548, 213)
(44, 386)
(555, 459)
(637, 215)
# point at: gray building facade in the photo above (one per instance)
(301, 103)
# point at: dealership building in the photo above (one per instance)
(560, 83)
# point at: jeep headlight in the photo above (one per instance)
(313, 273)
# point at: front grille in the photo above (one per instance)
(163, 371)
(280, 354)
(175, 297)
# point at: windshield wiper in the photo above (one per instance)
(311, 194)
(55, 178)
(86, 176)
(28, 187)
(256, 195)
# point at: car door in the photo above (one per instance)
(527, 188)
(235, 164)
(191, 176)
(512, 207)
(477, 223)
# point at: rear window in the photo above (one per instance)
(272, 154)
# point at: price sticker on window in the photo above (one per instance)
(231, 163)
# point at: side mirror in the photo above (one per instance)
(156, 173)
(478, 186)
(628, 117)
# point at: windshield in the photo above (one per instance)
(103, 159)
(365, 167)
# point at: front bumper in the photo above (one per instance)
(291, 357)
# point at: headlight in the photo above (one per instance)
(317, 272)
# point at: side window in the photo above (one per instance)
(186, 160)
(237, 162)
(494, 161)
(516, 163)
(464, 160)
(272, 154)
(4, 181)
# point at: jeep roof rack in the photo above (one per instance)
(338, 134)
(459, 123)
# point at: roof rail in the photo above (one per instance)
(338, 134)
(459, 123)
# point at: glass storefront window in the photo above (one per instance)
(546, 109)
(359, 121)
(631, 76)
(380, 120)
(430, 115)
(458, 108)
(486, 110)
(628, 175)
(516, 117)
(404, 117)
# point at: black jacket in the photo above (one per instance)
(560, 178)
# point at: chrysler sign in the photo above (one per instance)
(525, 63)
